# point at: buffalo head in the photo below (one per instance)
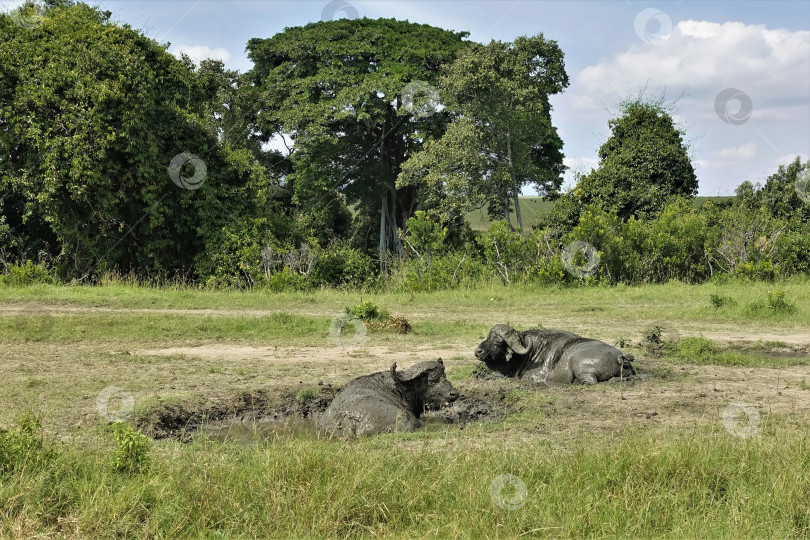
(425, 386)
(502, 343)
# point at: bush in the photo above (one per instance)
(28, 273)
(287, 280)
(719, 300)
(368, 311)
(22, 448)
(779, 304)
(132, 449)
(447, 271)
(343, 266)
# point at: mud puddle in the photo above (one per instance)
(263, 414)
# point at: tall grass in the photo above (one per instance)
(709, 484)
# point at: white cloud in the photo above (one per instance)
(744, 151)
(198, 53)
(706, 57)
(732, 140)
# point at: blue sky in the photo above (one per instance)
(740, 71)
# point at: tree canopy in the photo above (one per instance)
(352, 95)
(642, 163)
(502, 138)
(92, 116)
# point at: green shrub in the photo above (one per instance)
(22, 448)
(28, 273)
(343, 266)
(132, 449)
(719, 300)
(368, 311)
(448, 271)
(696, 350)
(287, 280)
(779, 304)
(305, 394)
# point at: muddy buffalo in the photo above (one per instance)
(552, 356)
(388, 401)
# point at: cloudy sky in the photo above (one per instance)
(738, 72)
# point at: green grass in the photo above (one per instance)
(614, 479)
(709, 484)
(702, 351)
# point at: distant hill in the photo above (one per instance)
(533, 207)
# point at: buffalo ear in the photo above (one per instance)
(412, 374)
(439, 360)
(394, 372)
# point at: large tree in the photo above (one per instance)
(642, 163)
(502, 138)
(91, 116)
(353, 97)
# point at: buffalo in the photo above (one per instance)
(388, 401)
(552, 356)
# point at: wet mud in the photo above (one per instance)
(262, 414)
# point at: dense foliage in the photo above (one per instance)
(117, 157)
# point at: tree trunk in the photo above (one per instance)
(389, 234)
(515, 184)
(506, 216)
(383, 234)
(515, 194)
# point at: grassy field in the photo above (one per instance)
(532, 208)
(651, 458)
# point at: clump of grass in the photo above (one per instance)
(306, 394)
(779, 304)
(776, 304)
(376, 318)
(720, 300)
(368, 311)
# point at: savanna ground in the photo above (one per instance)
(650, 457)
